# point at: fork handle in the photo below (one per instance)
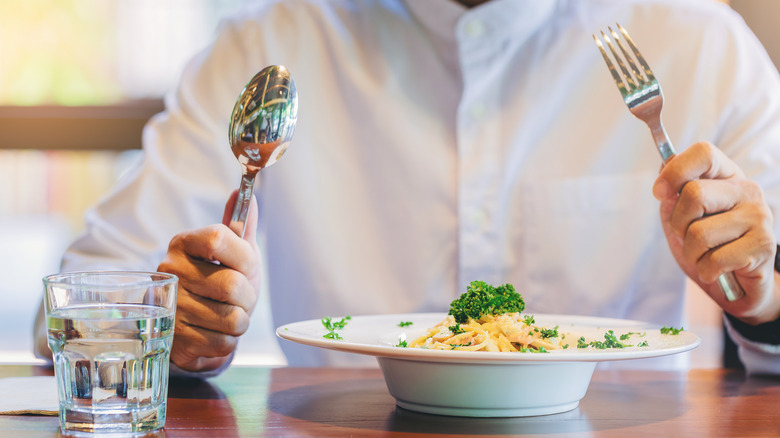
(730, 286)
(728, 282)
(662, 141)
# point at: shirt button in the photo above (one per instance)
(478, 111)
(474, 28)
(480, 216)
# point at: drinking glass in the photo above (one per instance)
(111, 335)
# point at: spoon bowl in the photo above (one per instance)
(261, 127)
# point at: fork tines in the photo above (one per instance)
(634, 81)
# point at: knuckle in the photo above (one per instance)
(235, 320)
(764, 244)
(176, 242)
(223, 312)
(705, 149)
(692, 192)
(170, 266)
(228, 284)
(213, 240)
(698, 233)
(752, 190)
(239, 322)
(183, 341)
(707, 274)
(223, 345)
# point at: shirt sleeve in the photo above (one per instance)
(183, 181)
(749, 132)
(758, 357)
(185, 177)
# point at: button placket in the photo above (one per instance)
(479, 175)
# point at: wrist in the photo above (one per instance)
(765, 333)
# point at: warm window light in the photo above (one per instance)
(94, 52)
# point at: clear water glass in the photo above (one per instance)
(111, 334)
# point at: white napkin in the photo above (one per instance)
(28, 395)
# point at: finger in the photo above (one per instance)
(211, 281)
(191, 343)
(198, 364)
(700, 161)
(745, 256)
(217, 243)
(250, 233)
(227, 214)
(675, 241)
(714, 233)
(701, 198)
(198, 311)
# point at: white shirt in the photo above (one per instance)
(437, 145)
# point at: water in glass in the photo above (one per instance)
(112, 364)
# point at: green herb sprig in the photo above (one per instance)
(671, 330)
(481, 298)
(456, 329)
(625, 336)
(610, 341)
(332, 326)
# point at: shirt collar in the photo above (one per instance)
(505, 18)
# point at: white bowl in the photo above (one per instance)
(487, 390)
(481, 384)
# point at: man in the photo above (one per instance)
(440, 143)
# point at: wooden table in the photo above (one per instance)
(319, 402)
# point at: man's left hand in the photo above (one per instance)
(716, 221)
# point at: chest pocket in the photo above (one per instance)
(587, 241)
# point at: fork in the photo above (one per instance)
(642, 94)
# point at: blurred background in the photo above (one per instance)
(78, 79)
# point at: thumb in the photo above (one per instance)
(250, 233)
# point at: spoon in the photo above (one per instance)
(261, 128)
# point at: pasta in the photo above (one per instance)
(499, 333)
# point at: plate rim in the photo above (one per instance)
(494, 358)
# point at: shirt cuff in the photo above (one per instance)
(174, 370)
(758, 357)
(767, 333)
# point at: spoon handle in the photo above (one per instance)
(241, 207)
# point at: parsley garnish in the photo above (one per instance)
(610, 341)
(528, 320)
(402, 344)
(454, 346)
(671, 330)
(332, 326)
(548, 333)
(404, 323)
(456, 330)
(625, 336)
(524, 349)
(332, 335)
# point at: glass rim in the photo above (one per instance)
(143, 279)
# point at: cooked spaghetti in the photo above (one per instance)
(499, 333)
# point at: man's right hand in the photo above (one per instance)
(219, 282)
